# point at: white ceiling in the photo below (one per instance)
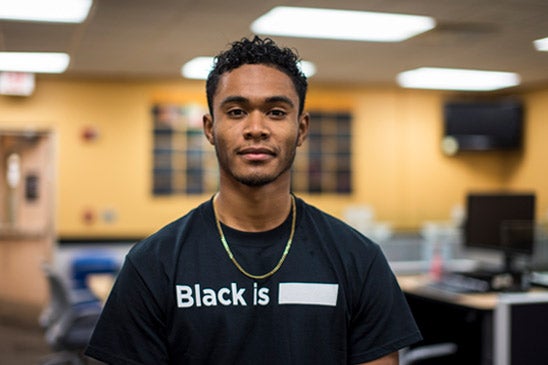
(145, 38)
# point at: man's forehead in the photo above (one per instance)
(255, 81)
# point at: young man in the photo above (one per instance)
(255, 275)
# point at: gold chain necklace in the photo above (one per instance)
(284, 255)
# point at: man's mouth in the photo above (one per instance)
(256, 154)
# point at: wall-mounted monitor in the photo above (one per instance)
(482, 126)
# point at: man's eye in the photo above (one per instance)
(277, 113)
(235, 113)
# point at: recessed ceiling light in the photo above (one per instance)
(457, 79)
(38, 62)
(341, 24)
(198, 68)
(63, 11)
(541, 44)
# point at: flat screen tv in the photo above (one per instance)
(482, 126)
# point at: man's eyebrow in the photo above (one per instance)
(271, 100)
(280, 99)
(234, 99)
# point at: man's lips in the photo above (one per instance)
(256, 153)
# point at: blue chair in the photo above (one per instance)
(84, 264)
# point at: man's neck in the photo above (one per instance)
(253, 209)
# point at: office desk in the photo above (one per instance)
(480, 324)
(416, 285)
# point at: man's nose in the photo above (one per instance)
(256, 126)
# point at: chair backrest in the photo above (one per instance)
(59, 301)
(91, 262)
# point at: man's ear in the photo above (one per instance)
(304, 120)
(207, 121)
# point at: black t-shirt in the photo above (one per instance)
(180, 300)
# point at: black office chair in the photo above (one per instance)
(68, 325)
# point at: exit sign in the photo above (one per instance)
(16, 83)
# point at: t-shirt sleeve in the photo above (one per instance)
(382, 321)
(128, 331)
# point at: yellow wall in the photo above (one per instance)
(399, 168)
(532, 171)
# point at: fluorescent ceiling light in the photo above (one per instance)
(341, 24)
(45, 62)
(63, 11)
(199, 68)
(308, 68)
(457, 79)
(541, 44)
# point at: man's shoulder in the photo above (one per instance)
(173, 234)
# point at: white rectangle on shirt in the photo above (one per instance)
(308, 293)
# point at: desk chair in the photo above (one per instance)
(68, 326)
(426, 352)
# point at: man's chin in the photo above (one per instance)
(255, 181)
(258, 177)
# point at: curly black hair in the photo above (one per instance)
(262, 51)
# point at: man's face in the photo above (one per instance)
(255, 126)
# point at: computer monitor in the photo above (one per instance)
(504, 222)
